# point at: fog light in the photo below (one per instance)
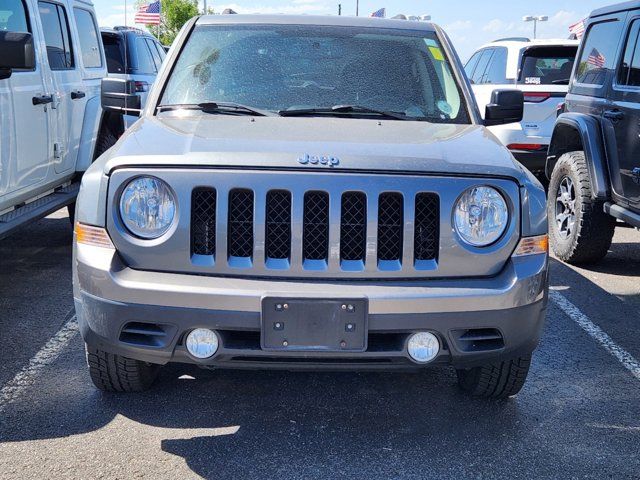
(423, 347)
(202, 343)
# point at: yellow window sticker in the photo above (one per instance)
(437, 53)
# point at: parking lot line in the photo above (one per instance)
(45, 356)
(599, 335)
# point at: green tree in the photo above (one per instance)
(175, 13)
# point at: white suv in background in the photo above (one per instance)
(51, 67)
(541, 69)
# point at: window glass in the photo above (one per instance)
(479, 73)
(13, 16)
(497, 72)
(56, 35)
(630, 68)
(114, 52)
(88, 36)
(280, 67)
(154, 53)
(471, 64)
(547, 65)
(145, 61)
(161, 50)
(598, 53)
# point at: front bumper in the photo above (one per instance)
(163, 307)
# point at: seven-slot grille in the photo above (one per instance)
(354, 217)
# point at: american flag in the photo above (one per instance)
(577, 29)
(382, 13)
(596, 59)
(149, 14)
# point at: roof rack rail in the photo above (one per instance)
(513, 39)
(121, 28)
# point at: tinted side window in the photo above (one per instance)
(598, 53)
(471, 64)
(88, 36)
(145, 61)
(497, 72)
(161, 50)
(479, 73)
(114, 52)
(13, 16)
(154, 53)
(630, 68)
(56, 35)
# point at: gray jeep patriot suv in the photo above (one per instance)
(311, 192)
(593, 161)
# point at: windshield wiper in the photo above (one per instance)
(217, 107)
(562, 81)
(357, 109)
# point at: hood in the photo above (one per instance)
(203, 140)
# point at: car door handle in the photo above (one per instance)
(77, 94)
(42, 99)
(613, 115)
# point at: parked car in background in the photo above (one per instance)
(51, 65)
(132, 54)
(315, 193)
(593, 162)
(541, 69)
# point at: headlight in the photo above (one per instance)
(481, 216)
(147, 207)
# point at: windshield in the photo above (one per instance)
(296, 67)
(547, 65)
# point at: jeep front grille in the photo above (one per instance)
(320, 224)
(315, 230)
(240, 236)
(354, 217)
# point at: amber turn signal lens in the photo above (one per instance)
(90, 235)
(532, 246)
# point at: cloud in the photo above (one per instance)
(458, 25)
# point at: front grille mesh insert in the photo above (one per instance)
(427, 227)
(390, 226)
(240, 223)
(315, 230)
(353, 226)
(278, 224)
(203, 221)
(283, 229)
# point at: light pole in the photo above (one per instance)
(535, 19)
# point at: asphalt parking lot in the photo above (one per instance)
(577, 417)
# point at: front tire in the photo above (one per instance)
(500, 380)
(114, 373)
(580, 231)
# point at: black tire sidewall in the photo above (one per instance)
(565, 167)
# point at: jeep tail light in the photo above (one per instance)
(90, 235)
(142, 87)
(536, 97)
(530, 147)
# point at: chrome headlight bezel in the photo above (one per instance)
(163, 199)
(492, 200)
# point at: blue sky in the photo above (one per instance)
(469, 23)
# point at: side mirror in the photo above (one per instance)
(119, 95)
(17, 52)
(506, 107)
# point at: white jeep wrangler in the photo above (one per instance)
(51, 66)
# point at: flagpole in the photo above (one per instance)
(357, 7)
(159, 17)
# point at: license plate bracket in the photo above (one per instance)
(314, 324)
